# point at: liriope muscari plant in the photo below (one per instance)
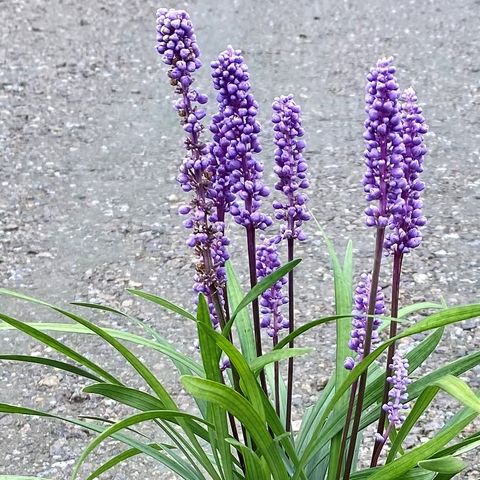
(241, 425)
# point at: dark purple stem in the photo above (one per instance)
(346, 428)
(276, 367)
(251, 247)
(397, 271)
(291, 324)
(368, 342)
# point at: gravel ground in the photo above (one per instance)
(88, 203)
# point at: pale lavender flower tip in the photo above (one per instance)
(359, 320)
(399, 381)
(272, 300)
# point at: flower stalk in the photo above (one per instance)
(291, 168)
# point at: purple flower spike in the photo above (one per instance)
(268, 260)
(384, 179)
(291, 167)
(405, 222)
(235, 133)
(397, 395)
(176, 42)
(359, 321)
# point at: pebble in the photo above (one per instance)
(49, 381)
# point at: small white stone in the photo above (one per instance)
(49, 381)
(420, 277)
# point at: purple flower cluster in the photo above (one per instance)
(235, 141)
(398, 395)
(384, 179)
(359, 321)
(406, 220)
(177, 43)
(290, 167)
(267, 261)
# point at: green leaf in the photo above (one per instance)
(210, 354)
(374, 392)
(458, 389)
(182, 367)
(248, 381)
(416, 474)
(135, 398)
(436, 320)
(138, 365)
(52, 363)
(264, 285)
(470, 443)
(276, 356)
(270, 374)
(182, 468)
(420, 406)
(117, 459)
(233, 402)
(58, 346)
(243, 323)
(449, 464)
(308, 326)
(424, 451)
(127, 440)
(254, 467)
(129, 337)
(162, 302)
(343, 306)
(409, 309)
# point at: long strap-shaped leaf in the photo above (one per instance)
(454, 386)
(119, 335)
(127, 440)
(137, 399)
(249, 383)
(255, 394)
(243, 323)
(58, 346)
(241, 408)
(162, 302)
(134, 420)
(114, 461)
(144, 372)
(139, 366)
(210, 354)
(52, 363)
(429, 448)
(415, 474)
(184, 366)
(261, 287)
(436, 320)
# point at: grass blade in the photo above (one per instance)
(436, 320)
(52, 363)
(167, 350)
(59, 347)
(162, 302)
(210, 354)
(242, 409)
(264, 285)
(276, 356)
(243, 323)
(181, 468)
